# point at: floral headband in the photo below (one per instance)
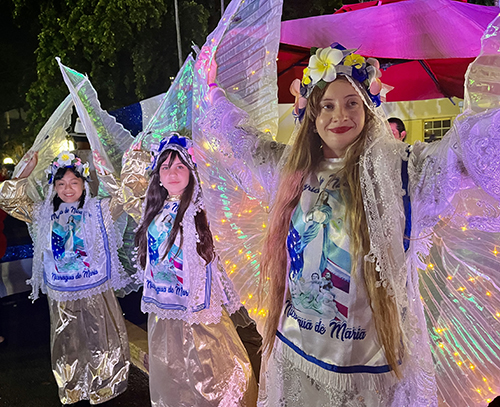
(326, 64)
(176, 142)
(68, 160)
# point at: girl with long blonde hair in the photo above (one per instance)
(364, 334)
(377, 252)
(326, 156)
(334, 333)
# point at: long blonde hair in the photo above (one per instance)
(304, 158)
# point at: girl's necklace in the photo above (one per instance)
(171, 198)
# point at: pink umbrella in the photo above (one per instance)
(424, 45)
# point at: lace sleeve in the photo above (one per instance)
(480, 143)
(135, 182)
(248, 152)
(14, 200)
(436, 174)
(467, 157)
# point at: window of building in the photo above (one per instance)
(436, 129)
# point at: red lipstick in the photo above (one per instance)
(340, 130)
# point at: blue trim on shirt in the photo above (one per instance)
(330, 367)
(406, 202)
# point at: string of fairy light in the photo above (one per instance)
(245, 255)
(231, 226)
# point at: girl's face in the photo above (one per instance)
(175, 178)
(69, 188)
(341, 118)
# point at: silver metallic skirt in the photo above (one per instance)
(89, 348)
(198, 365)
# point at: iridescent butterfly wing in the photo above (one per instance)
(460, 288)
(106, 136)
(240, 56)
(174, 111)
(111, 140)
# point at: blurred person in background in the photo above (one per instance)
(398, 128)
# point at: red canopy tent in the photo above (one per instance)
(424, 47)
(359, 6)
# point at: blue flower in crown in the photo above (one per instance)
(68, 160)
(174, 141)
(175, 138)
(326, 64)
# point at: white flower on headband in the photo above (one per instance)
(64, 159)
(86, 170)
(325, 64)
(322, 64)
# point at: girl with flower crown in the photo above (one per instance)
(76, 264)
(377, 201)
(354, 357)
(195, 355)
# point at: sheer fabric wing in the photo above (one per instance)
(49, 142)
(111, 140)
(246, 60)
(240, 55)
(174, 112)
(105, 134)
(460, 288)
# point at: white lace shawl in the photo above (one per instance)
(222, 289)
(94, 245)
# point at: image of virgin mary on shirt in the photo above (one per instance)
(67, 242)
(320, 284)
(164, 270)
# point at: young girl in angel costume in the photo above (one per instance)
(76, 264)
(348, 229)
(195, 355)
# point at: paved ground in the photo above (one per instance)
(26, 379)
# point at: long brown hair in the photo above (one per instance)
(304, 158)
(155, 200)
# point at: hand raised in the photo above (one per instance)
(100, 164)
(30, 160)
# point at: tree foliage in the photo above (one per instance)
(18, 71)
(127, 47)
(293, 9)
